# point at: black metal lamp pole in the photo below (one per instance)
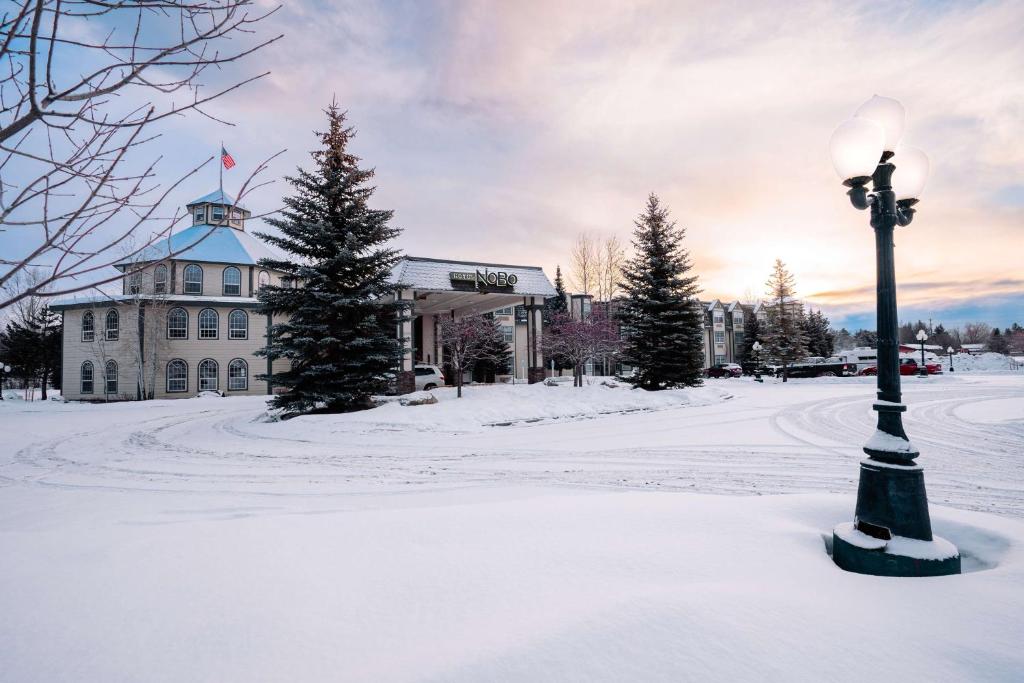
(923, 370)
(891, 498)
(950, 351)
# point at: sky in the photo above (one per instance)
(500, 131)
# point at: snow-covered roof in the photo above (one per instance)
(215, 197)
(82, 299)
(212, 244)
(427, 274)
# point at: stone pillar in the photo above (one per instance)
(405, 380)
(534, 355)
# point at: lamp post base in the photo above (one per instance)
(857, 552)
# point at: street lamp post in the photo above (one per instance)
(921, 337)
(891, 499)
(4, 369)
(756, 348)
(950, 352)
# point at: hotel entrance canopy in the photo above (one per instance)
(466, 288)
(440, 288)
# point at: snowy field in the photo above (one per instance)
(523, 533)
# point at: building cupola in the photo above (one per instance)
(218, 208)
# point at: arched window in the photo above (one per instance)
(193, 279)
(238, 375)
(264, 279)
(87, 377)
(177, 376)
(160, 279)
(232, 281)
(177, 323)
(134, 283)
(112, 326)
(88, 326)
(208, 375)
(207, 324)
(238, 325)
(111, 376)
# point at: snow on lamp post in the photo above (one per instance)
(921, 337)
(950, 352)
(891, 534)
(756, 348)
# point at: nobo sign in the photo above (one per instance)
(487, 278)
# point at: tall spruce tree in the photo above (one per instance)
(784, 339)
(751, 334)
(821, 340)
(661, 318)
(554, 308)
(339, 336)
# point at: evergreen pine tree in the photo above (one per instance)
(784, 339)
(554, 308)
(819, 335)
(559, 303)
(662, 321)
(751, 333)
(495, 356)
(340, 333)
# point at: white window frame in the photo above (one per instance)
(263, 279)
(224, 281)
(82, 380)
(160, 283)
(185, 282)
(183, 329)
(232, 384)
(206, 333)
(719, 337)
(106, 378)
(111, 333)
(719, 358)
(231, 327)
(178, 388)
(215, 379)
(89, 334)
(199, 215)
(214, 211)
(509, 333)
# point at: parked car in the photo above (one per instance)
(908, 366)
(428, 377)
(724, 370)
(822, 367)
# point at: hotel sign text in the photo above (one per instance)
(485, 278)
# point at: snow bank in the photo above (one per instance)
(984, 363)
(488, 406)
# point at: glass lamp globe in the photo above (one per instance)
(889, 114)
(911, 173)
(921, 335)
(950, 350)
(856, 147)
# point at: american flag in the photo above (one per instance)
(226, 158)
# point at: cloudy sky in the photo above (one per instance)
(502, 130)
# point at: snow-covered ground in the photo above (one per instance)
(522, 533)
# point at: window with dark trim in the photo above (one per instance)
(88, 326)
(87, 376)
(177, 376)
(232, 281)
(110, 375)
(112, 326)
(193, 279)
(177, 323)
(238, 324)
(160, 279)
(208, 323)
(208, 375)
(238, 375)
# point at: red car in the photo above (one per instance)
(908, 366)
(724, 370)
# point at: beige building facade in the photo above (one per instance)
(186, 321)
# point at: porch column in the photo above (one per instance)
(534, 355)
(406, 376)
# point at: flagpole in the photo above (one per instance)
(220, 165)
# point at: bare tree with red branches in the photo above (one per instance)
(578, 341)
(82, 83)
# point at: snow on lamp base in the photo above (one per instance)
(892, 532)
(855, 551)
